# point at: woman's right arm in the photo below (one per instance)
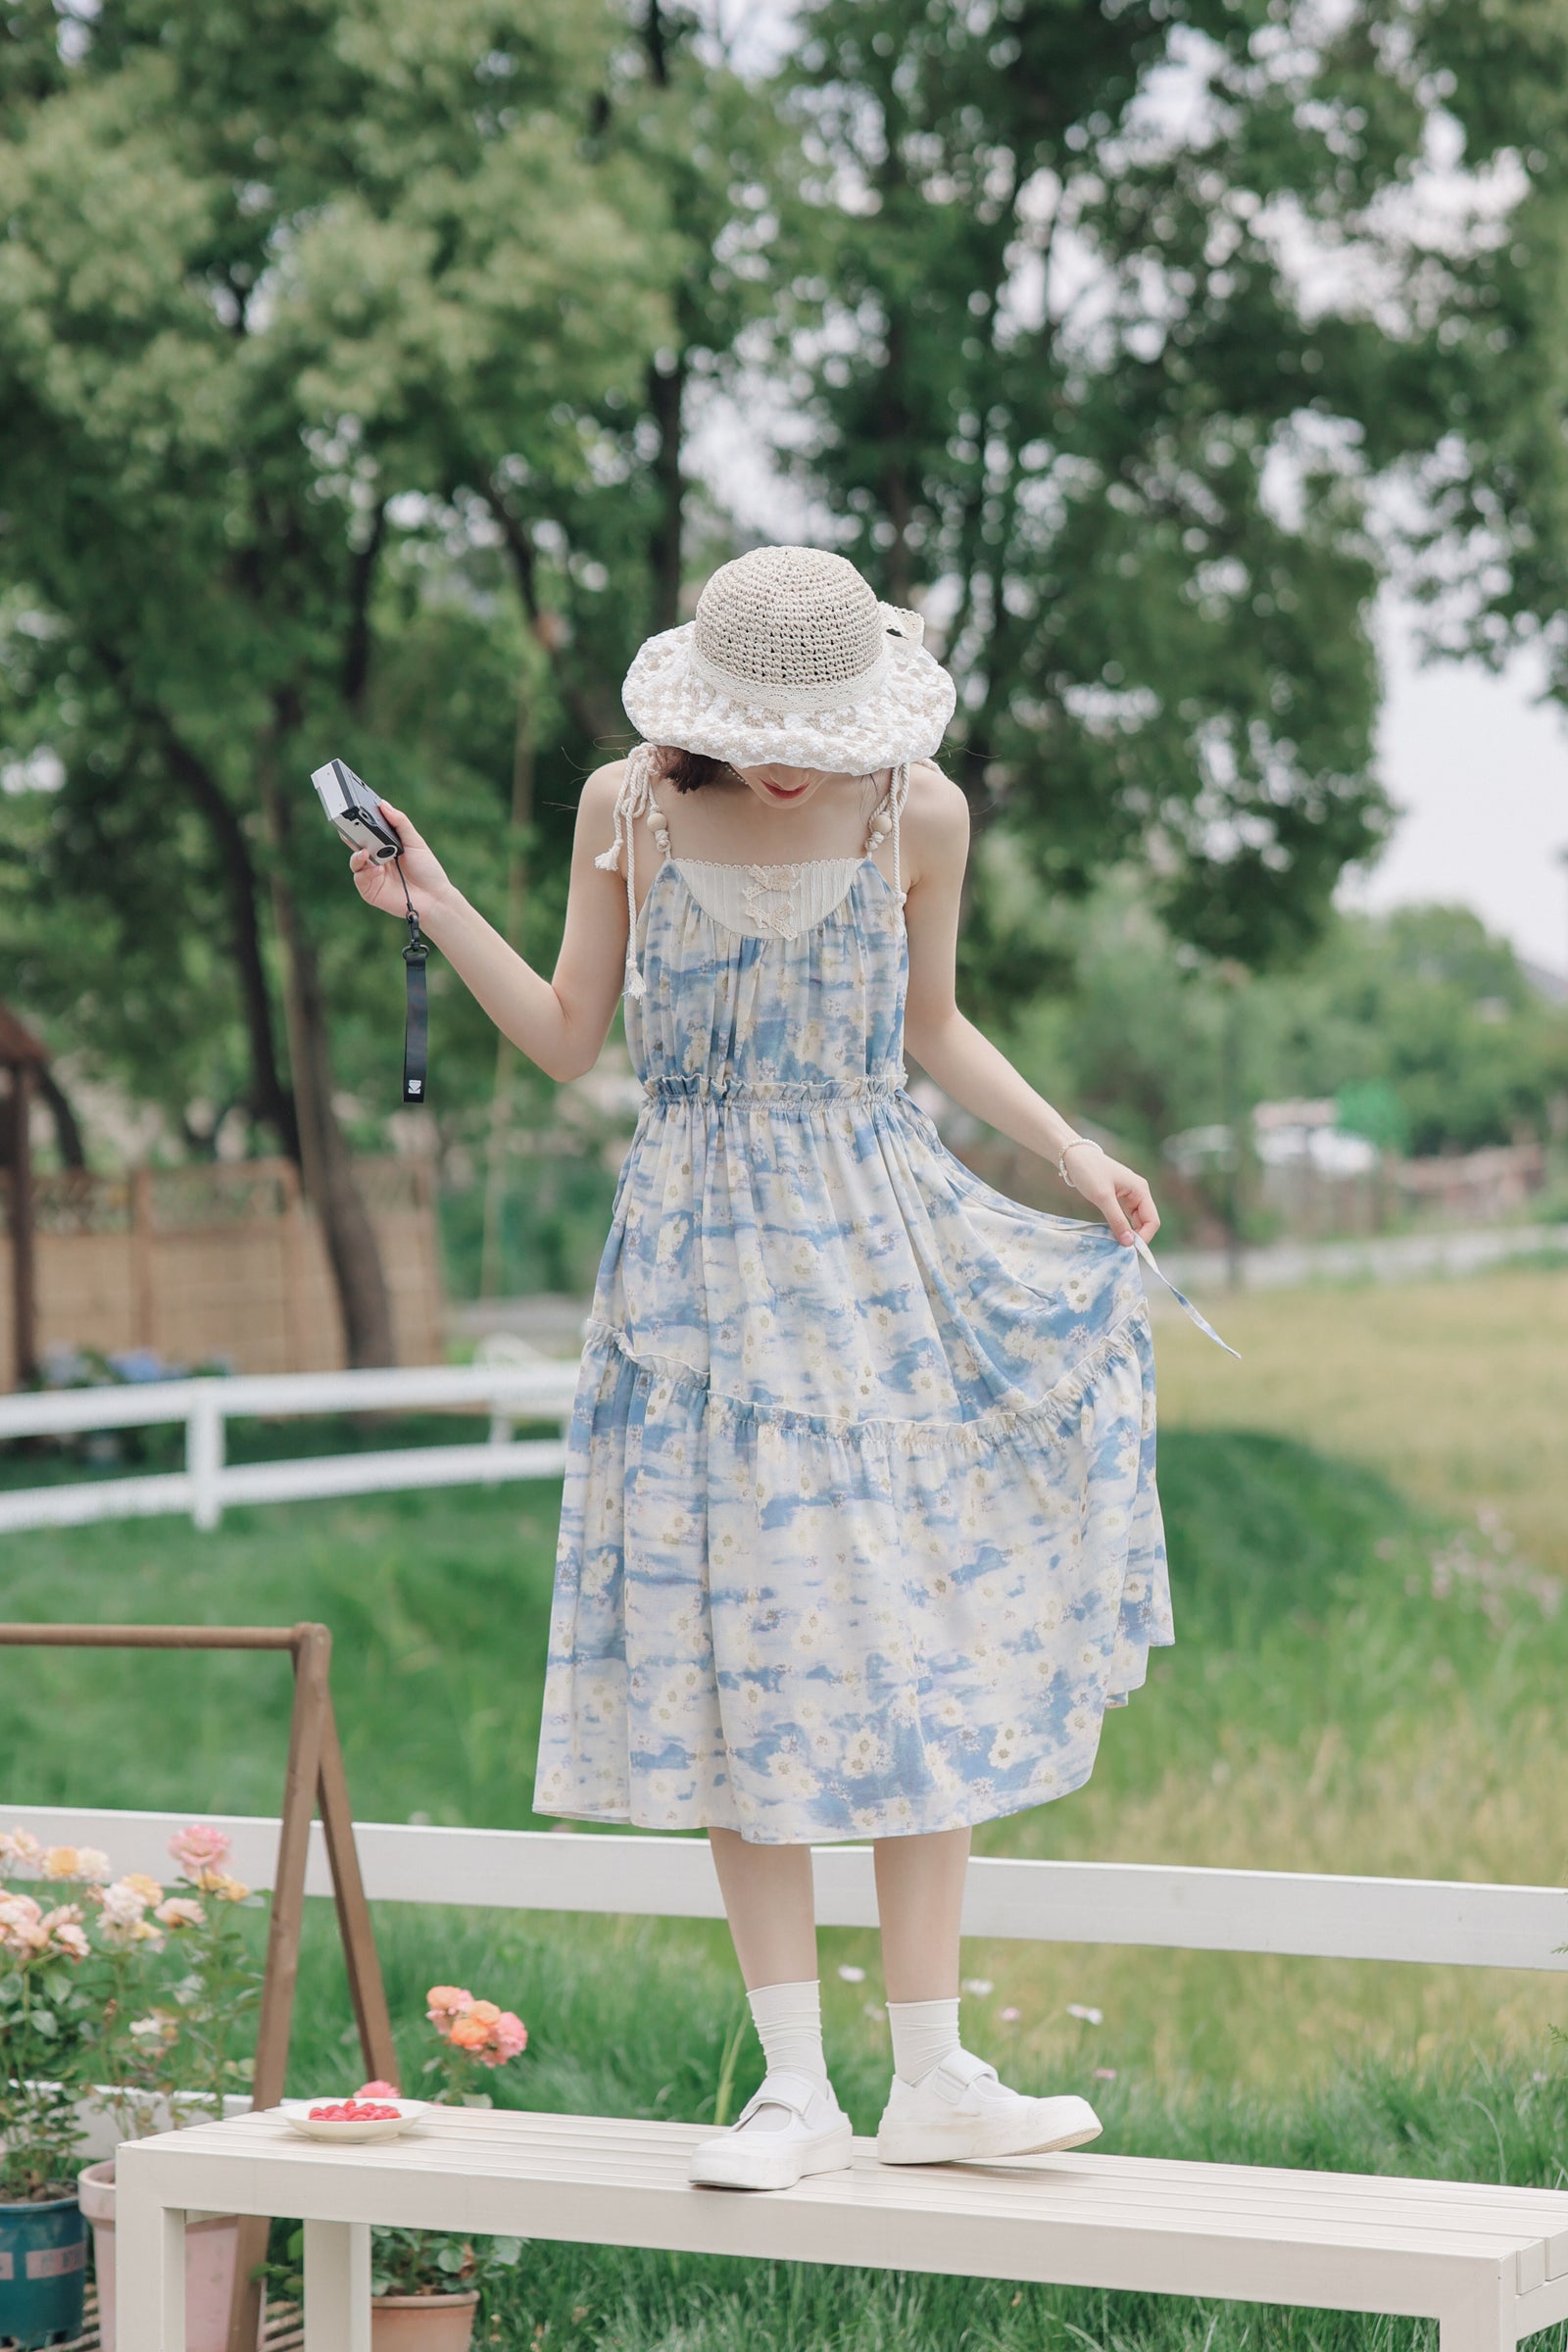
(560, 1024)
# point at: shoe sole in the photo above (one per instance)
(732, 2164)
(1056, 2123)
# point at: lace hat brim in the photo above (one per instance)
(904, 716)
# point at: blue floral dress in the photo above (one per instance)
(859, 1532)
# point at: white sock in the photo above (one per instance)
(924, 2032)
(788, 2023)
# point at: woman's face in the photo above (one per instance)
(780, 787)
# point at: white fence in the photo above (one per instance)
(1437, 1921)
(511, 1392)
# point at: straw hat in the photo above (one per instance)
(792, 658)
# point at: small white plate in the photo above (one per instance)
(296, 2113)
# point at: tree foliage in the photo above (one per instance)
(312, 318)
(1129, 308)
(349, 353)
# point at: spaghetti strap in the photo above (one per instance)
(634, 800)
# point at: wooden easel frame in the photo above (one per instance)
(314, 1778)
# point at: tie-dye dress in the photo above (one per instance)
(859, 1532)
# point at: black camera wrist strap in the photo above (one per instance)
(416, 1003)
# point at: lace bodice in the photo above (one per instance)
(756, 901)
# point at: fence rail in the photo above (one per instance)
(1435, 1921)
(209, 1483)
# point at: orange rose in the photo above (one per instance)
(451, 1998)
(469, 2033)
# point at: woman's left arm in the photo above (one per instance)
(964, 1063)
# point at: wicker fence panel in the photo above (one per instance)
(222, 1263)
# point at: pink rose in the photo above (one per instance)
(65, 1926)
(19, 1918)
(201, 1846)
(511, 2036)
(20, 1854)
(181, 1911)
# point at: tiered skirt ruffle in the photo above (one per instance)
(807, 1626)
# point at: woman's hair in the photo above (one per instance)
(689, 771)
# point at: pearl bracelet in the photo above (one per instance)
(1072, 1145)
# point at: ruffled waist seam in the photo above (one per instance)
(769, 1093)
(1048, 1414)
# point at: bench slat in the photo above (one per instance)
(1524, 2215)
(598, 2167)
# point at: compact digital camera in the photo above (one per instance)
(352, 808)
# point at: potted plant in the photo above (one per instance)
(50, 2021)
(426, 2284)
(182, 1987)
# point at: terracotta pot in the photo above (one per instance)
(43, 2271)
(422, 2323)
(210, 2245)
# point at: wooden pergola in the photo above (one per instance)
(21, 1057)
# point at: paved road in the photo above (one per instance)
(1391, 1257)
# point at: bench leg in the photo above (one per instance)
(149, 2266)
(338, 2286)
(1482, 2323)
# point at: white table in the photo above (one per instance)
(1489, 2263)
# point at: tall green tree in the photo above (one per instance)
(272, 279)
(1131, 305)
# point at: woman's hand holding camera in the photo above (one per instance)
(378, 885)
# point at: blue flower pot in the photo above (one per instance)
(43, 2272)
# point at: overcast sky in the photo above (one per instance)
(1480, 768)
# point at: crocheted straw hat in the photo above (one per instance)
(792, 658)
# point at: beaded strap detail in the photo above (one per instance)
(635, 798)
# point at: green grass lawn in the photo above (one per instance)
(1456, 1389)
(1355, 1688)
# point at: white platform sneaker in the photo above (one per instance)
(961, 2111)
(810, 2135)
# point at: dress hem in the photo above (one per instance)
(963, 1818)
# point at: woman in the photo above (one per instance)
(860, 1534)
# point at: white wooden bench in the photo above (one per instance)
(1490, 2264)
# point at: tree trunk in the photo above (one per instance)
(523, 776)
(272, 1101)
(893, 428)
(68, 1127)
(667, 395)
(325, 1163)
